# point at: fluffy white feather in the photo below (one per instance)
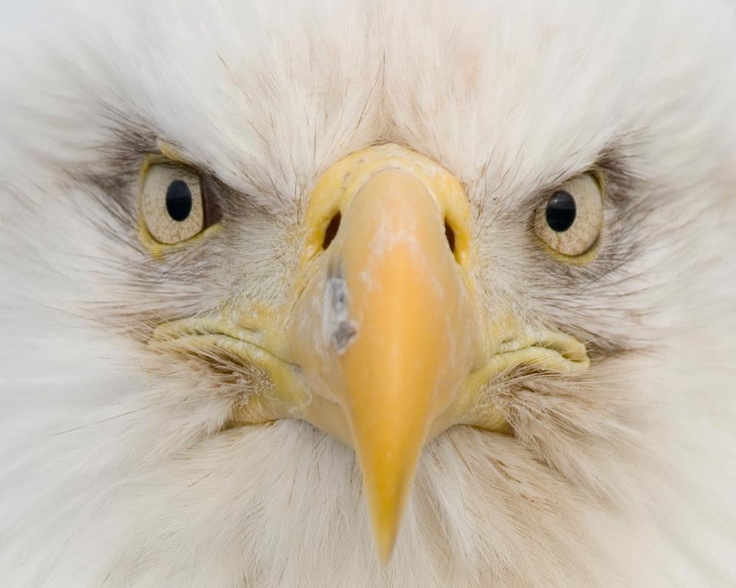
(114, 468)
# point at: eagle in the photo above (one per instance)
(368, 293)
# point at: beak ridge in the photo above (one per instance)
(411, 339)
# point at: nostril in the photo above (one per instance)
(331, 230)
(450, 234)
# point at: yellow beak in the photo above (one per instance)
(389, 314)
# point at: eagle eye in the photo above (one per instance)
(172, 203)
(571, 220)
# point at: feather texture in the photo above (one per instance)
(117, 466)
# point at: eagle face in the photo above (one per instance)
(366, 294)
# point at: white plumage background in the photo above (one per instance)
(118, 466)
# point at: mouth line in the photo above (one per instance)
(188, 334)
(290, 395)
(550, 350)
(287, 394)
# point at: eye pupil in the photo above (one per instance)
(561, 211)
(178, 200)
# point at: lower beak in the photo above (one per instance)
(386, 328)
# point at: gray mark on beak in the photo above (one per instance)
(337, 324)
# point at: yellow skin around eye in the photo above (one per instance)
(577, 245)
(158, 250)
